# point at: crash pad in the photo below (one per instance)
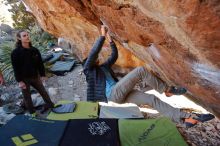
(46, 57)
(152, 132)
(64, 108)
(60, 67)
(83, 110)
(120, 112)
(24, 130)
(91, 132)
(56, 57)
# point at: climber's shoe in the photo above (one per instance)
(175, 91)
(196, 118)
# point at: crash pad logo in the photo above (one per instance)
(98, 128)
(146, 133)
(24, 140)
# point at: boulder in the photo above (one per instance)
(178, 40)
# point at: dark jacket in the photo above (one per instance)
(27, 63)
(95, 77)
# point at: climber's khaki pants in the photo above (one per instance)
(123, 92)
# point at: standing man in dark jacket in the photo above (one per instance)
(102, 85)
(29, 70)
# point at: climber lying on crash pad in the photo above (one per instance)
(102, 85)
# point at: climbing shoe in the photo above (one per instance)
(175, 91)
(31, 114)
(192, 121)
(44, 110)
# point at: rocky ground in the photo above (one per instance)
(203, 134)
(72, 86)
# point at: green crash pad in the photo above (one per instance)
(152, 132)
(83, 110)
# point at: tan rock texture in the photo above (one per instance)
(179, 40)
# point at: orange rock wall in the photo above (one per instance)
(178, 40)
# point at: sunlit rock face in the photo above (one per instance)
(178, 40)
